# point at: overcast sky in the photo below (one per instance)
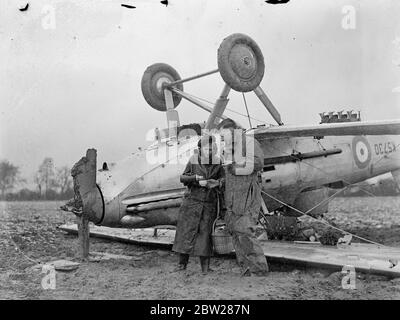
(75, 86)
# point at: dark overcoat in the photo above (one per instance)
(198, 210)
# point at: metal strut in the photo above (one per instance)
(171, 84)
(194, 100)
(268, 105)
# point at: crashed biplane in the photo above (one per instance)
(300, 162)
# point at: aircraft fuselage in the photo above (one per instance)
(144, 190)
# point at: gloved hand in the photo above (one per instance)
(212, 183)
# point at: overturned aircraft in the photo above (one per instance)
(300, 162)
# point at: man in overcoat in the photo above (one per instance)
(243, 196)
(203, 176)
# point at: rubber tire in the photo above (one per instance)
(225, 67)
(153, 96)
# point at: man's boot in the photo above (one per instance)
(183, 261)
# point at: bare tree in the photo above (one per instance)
(63, 179)
(9, 176)
(37, 180)
(45, 177)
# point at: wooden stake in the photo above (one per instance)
(87, 183)
(83, 236)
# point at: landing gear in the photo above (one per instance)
(241, 66)
(153, 84)
(241, 62)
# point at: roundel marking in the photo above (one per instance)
(361, 152)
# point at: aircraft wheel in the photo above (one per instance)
(152, 85)
(240, 62)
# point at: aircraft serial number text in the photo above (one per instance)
(384, 148)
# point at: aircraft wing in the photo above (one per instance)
(384, 127)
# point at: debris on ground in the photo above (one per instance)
(103, 256)
(64, 265)
(329, 237)
(346, 240)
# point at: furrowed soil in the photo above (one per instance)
(29, 236)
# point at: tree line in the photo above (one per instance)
(51, 183)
